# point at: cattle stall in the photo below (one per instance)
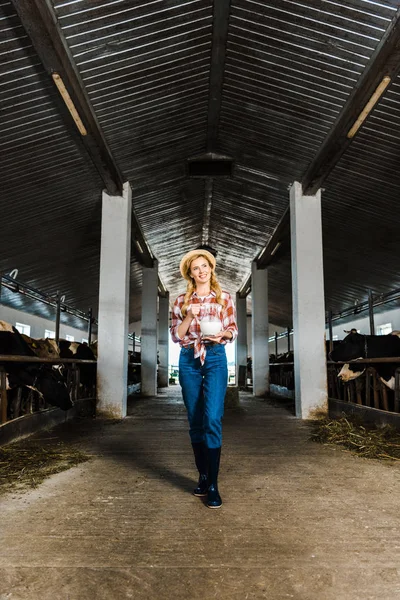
(281, 371)
(368, 388)
(50, 387)
(367, 393)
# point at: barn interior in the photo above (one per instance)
(211, 112)
(219, 117)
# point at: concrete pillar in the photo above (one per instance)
(149, 331)
(241, 342)
(163, 339)
(260, 352)
(112, 363)
(308, 303)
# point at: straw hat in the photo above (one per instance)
(187, 259)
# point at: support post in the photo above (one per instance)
(149, 330)
(90, 316)
(112, 361)
(3, 395)
(276, 344)
(260, 351)
(58, 315)
(163, 340)
(330, 331)
(371, 313)
(241, 341)
(311, 391)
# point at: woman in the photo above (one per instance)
(203, 371)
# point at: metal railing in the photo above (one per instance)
(35, 403)
(365, 390)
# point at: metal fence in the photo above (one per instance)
(367, 389)
(25, 400)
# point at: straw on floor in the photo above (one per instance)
(370, 442)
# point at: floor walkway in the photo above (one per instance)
(299, 520)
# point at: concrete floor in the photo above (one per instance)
(299, 520)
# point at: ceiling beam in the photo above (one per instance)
(208, 190)
(385, 62)
(40, 22)
(277, 245)
(218, 53)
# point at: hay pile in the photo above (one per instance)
(369, 442)
(27, 463)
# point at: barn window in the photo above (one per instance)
(384, 329)
(335, 338)
(69, 338)
(22, 328)
(49, 334)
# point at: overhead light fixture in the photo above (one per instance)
(369, 106)
(276, 248)
(139, 246)
(262, 252)
(68, 101)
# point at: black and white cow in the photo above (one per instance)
(80, 351)
(356, 346)
(40, 377)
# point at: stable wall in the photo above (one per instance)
(39, 324)
(362, 323)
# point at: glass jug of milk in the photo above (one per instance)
(210, 323)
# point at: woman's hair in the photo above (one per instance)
(214, 285)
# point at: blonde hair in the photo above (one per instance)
(214, 285)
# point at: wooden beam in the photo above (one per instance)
(208, 192)
(218, 53)
(385, 62)
(139, 246)
(277, 245)
(40, 22)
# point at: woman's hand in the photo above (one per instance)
(193, 310)
(219, 336)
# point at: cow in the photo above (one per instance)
(81, 351)
(39, 377)
(356, 346)
(42, 348)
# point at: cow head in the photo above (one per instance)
(352, 347)
(43, 348)
(348, 373)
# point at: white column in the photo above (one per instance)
(260, 354)
(149, 331)
(112, 362)
(308, 303)
(241, 342)
(163, 339)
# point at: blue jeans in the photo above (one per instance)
(203, 391)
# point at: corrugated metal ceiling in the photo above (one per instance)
(289, 68)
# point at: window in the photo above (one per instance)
(384, 329)
(84, 341)
(69, 338)
(22, 328)
(49, 334)
(335, 338)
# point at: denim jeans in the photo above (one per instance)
(203, 390)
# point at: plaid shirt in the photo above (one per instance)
(226, 313)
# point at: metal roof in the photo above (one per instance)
(269, 85)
